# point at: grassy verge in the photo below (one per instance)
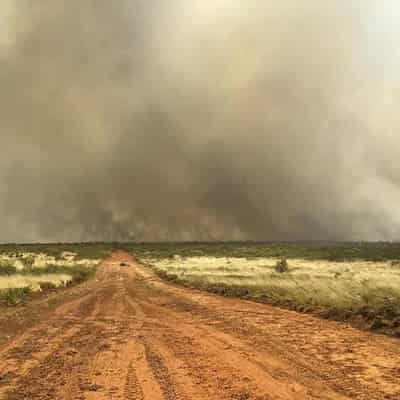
(366, 294)
(79, 273)
(26, 270)
(14, 297)
(17, 296)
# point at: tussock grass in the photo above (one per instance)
(14, 296)
(7, 269)
(281, 266)
(366, 293)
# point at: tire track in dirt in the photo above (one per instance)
(37, 353)
(161, 373)
(226, 364)
(183, 377)
(208, 362)
(14, 370)
(35, 346)
(65, 352)
(47, 380)
(131, 336)
(132, 390)
(353, 363)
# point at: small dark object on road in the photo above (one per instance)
(124, 264)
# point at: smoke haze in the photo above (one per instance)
(199, 120)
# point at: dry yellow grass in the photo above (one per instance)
(33, 281)
(41, 260)
(21, 273)
(362, 289)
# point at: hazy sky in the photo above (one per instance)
(199, 120)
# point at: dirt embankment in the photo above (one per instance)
(127, 335)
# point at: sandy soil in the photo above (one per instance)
(127, 335)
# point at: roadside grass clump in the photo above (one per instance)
(7, 269)
(14, 296)
(364, 293)
(78, 273)
(82, 274)
(282, 266)
(47, 286)
(77, 270)
(28, 262)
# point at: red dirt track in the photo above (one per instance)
(128, 335)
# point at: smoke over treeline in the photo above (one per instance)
(199, 120)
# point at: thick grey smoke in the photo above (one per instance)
(199, 120)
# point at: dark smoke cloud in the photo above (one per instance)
(199, 120)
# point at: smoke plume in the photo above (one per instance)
(199, 120)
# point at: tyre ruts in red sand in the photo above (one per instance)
(128, 335)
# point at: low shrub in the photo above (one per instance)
(7, 269)
(282, 266)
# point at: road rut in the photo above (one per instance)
(128, 335)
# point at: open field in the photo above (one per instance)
(333, 251)
(57, 250)
(356, 282)
(22, 272)
(129, 335)
(364, 292)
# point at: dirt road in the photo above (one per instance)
(127, 335)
